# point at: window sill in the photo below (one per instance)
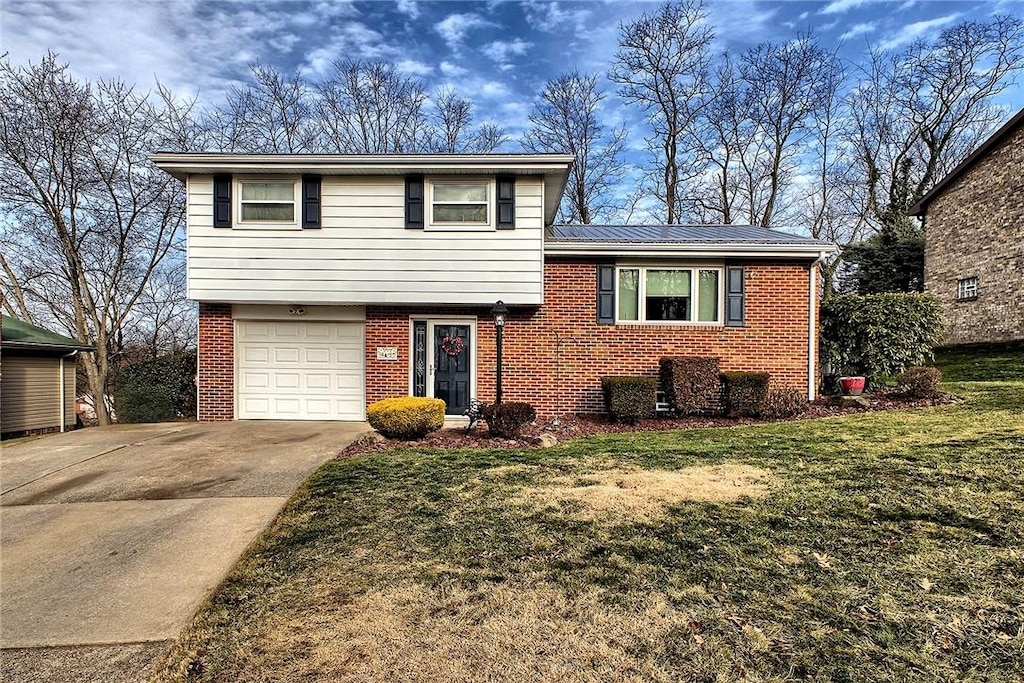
(667, 323)
(266, 226)
(966, 299)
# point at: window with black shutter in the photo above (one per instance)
(311, 201)
(414, 202)
(606, 294)
(506, 202)
(222, 201)
(734, 296)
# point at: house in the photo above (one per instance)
(326, 283)
(974, 240)
(37, 379)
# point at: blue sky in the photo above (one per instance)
(499, 53)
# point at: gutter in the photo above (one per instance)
(694, 249)
(812, 323)
(63, 398)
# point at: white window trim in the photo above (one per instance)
(967, 288)
(266, 225)
(455, 226)
(694, 268)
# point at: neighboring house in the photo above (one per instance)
(326, 283)
(974, 240)
(37, 379)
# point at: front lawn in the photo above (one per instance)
(877, 547)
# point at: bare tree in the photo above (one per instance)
(451, 129)
(273, 114)
(89, 221)
(567, 118)
(662, 66)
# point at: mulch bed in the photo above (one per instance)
(568, 427)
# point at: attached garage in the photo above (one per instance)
(299, 370)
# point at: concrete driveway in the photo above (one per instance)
(111, 537)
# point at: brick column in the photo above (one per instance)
(216, 363)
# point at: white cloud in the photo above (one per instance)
(409, 8)
(548, 16)
(452, 70)
(411, 66)
(501, 51)
(918, 29)
(858, 30)
(841, 6)
(454, 27)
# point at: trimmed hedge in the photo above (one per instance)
(921, 382)
(878, 335)
(409, 417)
(159, 390)
(629, 399)
(744, 393)
(692, 385)
(783, 402)
(508, 419)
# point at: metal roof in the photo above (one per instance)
(984, 148)
(18, 334)
(677, 234)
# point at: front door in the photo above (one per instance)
(452, 366)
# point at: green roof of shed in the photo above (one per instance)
(19, 334)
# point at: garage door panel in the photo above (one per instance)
(300, 370)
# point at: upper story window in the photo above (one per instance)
(967, 288)
(461, 204)
(667, 295)
(267, 202)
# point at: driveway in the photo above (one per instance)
(113, 536)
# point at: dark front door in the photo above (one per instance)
(451, 367)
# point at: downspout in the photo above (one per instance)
(63, 398)
(812, 323)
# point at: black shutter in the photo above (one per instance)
(310, 201)
(506, 202)
(414, 202)
(605, 295)
(222, 201)
(734, 294)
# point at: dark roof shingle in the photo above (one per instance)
(675, 234)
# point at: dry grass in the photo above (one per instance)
(635, 494)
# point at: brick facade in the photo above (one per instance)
(216, 363)
(555, 355)
(975, 228)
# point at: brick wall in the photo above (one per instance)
(555, 355)
(975, 228)
(216, 363)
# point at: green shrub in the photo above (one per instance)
(508, 419)
(921, 382)
(409, 417)
(783, 402)
(157, 390)
(878, 335)
(744, 393)
(629, 399)
(692, 385)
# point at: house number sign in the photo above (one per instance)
(387, 353)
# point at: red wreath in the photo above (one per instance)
(452, 346)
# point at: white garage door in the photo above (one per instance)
(299, 371)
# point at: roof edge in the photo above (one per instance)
(921, 207)
(798, 250)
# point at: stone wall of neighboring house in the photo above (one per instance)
(975, 228)
(216, 363)
(555, 355)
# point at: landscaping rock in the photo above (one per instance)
(544, 440)
(854, 401)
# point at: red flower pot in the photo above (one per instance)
(852, 386)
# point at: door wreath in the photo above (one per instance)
(452, 345)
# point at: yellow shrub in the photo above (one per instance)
(409, 417)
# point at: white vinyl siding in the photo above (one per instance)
(30, 386)
(363, 254)
(287, 370)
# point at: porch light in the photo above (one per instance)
(499, 311)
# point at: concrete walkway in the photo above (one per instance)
(111, 537)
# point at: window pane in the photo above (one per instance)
(629, 294)
(268, 212)
(460, 213)
(444, 192)
(668, 283)
(667, 308)
(268, 192)
(707, 294)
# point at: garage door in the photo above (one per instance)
(299, 370)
